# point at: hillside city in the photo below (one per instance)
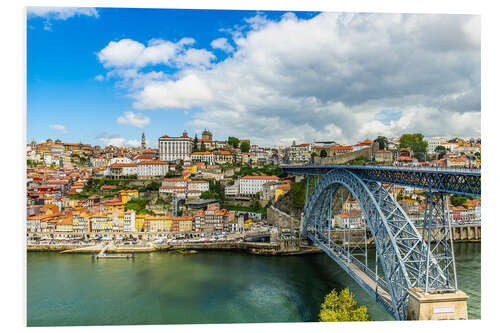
(206, 190)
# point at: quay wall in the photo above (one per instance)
(288, 247)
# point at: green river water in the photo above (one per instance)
(209, 287)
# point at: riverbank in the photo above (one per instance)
(265, 249)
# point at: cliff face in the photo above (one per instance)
(292, 202)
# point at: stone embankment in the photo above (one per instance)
(277, 248)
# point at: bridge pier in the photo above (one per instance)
(438, 306)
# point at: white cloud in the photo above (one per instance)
(60, 128)
(99, 77)
(183, 93)
(135, 119)
(118, 141)
(61, 13)
(196, 57)
(222, 44)
(330, 77)
(128, 53)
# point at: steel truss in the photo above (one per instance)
(447, 180)
(406, 260)
(437, 232)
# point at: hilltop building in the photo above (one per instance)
(175, 148)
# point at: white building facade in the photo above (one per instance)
(175, 148)
(253, 184)
(152, 168)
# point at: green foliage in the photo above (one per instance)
(299, 194)
(79, 196)
(93, 186)
(268, 170)
(195, 143)
(153, 186)
(413, 141)
(33, 163)
(382, 142)
(234, 142)
(342, 307)
(323, 153)
(84, 160)
(261, 210)
(245, 147)
(137, 204)
(208, 195)
(170, 174)
(256, 205)
(459, 200)
(440, 151)
(359, 160)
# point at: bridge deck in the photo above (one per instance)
(449, 180)
(360, 273)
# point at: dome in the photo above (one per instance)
(206, 135)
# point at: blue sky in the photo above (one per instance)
(105, 75)
(62, 65)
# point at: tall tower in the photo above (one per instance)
(143, 141)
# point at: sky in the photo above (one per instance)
(105, 75)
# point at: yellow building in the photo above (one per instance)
(139, 222)
(65, 224)
(188, 170)
(126, 195)
(159, 223)
(281, 190)
(185, 223)
(248, 224)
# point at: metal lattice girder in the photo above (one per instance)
(448, 180)
(437, 234)
(399, 244)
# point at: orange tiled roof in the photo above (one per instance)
(261, 177)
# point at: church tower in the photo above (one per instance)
(143, 141)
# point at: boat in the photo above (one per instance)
(180, 251)
(114, 256)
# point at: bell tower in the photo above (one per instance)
(143, 141)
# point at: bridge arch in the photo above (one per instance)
(403, 254)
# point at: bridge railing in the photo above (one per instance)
(391, 167)
(349, 258)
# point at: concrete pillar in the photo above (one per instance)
(445, 306)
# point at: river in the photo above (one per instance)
(209, 287)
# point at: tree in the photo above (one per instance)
(440, 151)
(342, 307)
(245, 147)
(195, 143)
(458, 200)
(413, 141)
(323, 153)
(256, 205)
(382, 142)
(232, 141)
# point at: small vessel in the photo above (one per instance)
(180, 251)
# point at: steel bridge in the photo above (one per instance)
(405, 258)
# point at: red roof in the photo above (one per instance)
(123, 165)
(151, 162)
(261, 177)
(341, 148)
